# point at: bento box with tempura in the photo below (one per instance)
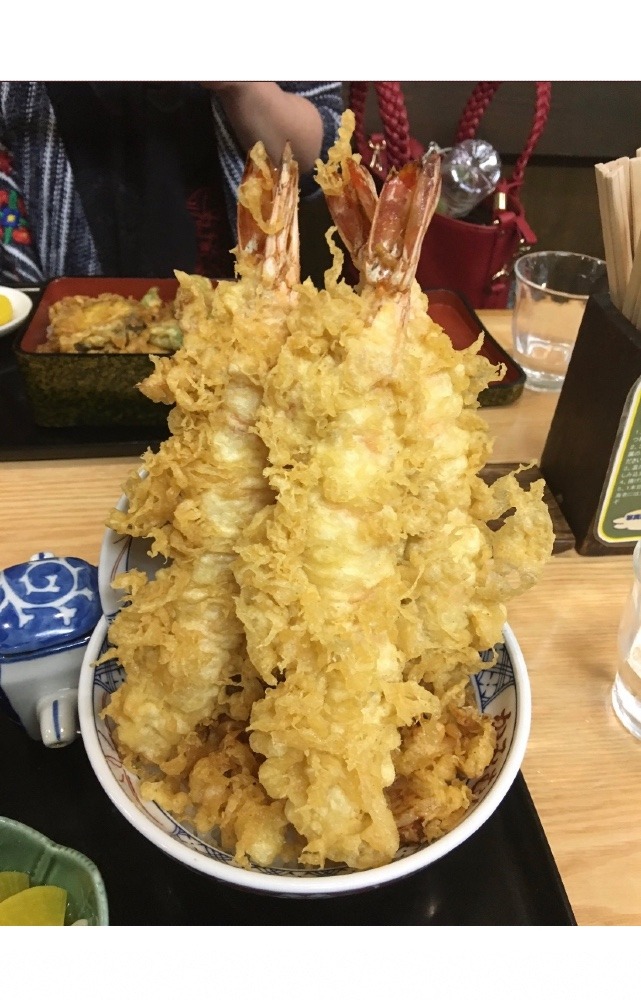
(90, 343)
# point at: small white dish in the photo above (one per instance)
(21, 304)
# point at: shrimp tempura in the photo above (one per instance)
(178, 637)
(374, 447)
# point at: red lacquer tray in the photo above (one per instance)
(22, 438)
(463, 327)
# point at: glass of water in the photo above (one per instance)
(551, 292)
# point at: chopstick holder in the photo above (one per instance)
(591, 459)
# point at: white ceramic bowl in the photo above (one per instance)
(22, 306)
(502, 690)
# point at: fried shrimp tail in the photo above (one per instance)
(404, 211)
(383, 236)
(268, 236)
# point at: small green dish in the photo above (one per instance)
(24, 849)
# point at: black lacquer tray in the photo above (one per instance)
(505, 874)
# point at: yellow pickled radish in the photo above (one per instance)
(6, 310)
(12, 882)
(39, 906)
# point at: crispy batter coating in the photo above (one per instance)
(370, 587)
(178, 637)
(298, 672)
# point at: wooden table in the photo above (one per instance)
(583, 769)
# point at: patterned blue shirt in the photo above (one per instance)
(35, 173)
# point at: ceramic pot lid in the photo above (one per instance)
(47, 602)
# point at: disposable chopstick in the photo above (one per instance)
(612, 228)
(619, 179)
(608, 244)
(631, 306)
(634, 315)
(635, 200)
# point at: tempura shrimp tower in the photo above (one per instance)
(297, 674)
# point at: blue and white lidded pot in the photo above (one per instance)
(49, 607)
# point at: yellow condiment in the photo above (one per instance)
(6, 310)
(38, 906)
(12, 882)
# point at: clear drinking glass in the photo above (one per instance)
(626, 690)
(551, 292)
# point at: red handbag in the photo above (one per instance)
(474, 259)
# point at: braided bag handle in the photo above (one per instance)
(396, 130)
(476, 107)
(391, 106)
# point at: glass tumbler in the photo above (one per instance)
(552, 288)
(626, 690)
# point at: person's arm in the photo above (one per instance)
(263, 110)
(323, 97)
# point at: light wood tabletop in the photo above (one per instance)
(582, 768)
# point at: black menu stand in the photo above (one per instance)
(584, 433)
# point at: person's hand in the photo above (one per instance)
(260, 109)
